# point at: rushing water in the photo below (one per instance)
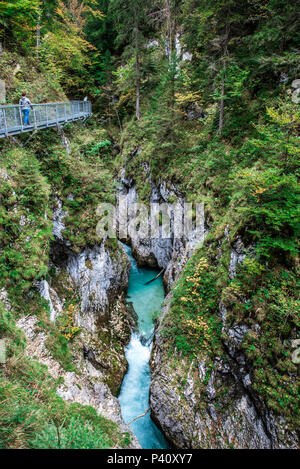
(134, 395)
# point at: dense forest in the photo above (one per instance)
(203, 98)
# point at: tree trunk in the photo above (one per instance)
(169, 29)
(38, 36)
(171, 41)
(225, 55)
(137, 68)
(221, 116)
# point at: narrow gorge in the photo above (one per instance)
(149, 225)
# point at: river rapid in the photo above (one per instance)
(134, 396)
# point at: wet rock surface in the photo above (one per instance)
(93, 282)
(169, 253)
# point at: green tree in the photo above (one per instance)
(18, 19)
(65, 49)
(130, 19)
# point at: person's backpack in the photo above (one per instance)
(25, 102)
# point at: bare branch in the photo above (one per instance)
(139, 416)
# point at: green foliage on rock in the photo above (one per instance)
(32, 415)
(212, 82)
(195, 326)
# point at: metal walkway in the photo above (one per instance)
(41, 116)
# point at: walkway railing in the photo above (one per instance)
(41, 116)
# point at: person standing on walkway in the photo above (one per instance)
(26, 106)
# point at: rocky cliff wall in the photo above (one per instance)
(88, 286)
(211, 401)
(169, 253)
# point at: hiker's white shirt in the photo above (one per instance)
(25, 103)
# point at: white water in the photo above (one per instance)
(134, 395)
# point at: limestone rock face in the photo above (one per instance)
(96, 278)
(4, 299)
(51, 296)
(194, 111)
(86, 388)
(99, 278)
(195, 412)
(295, 91)
(211, 402)
(93, 281)
(169, 253)
(99, 275)
(57, 220)
(296, 83)
(2, 92)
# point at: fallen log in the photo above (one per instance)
(139, 416)
(158, 275)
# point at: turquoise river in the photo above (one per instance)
(134, 396)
